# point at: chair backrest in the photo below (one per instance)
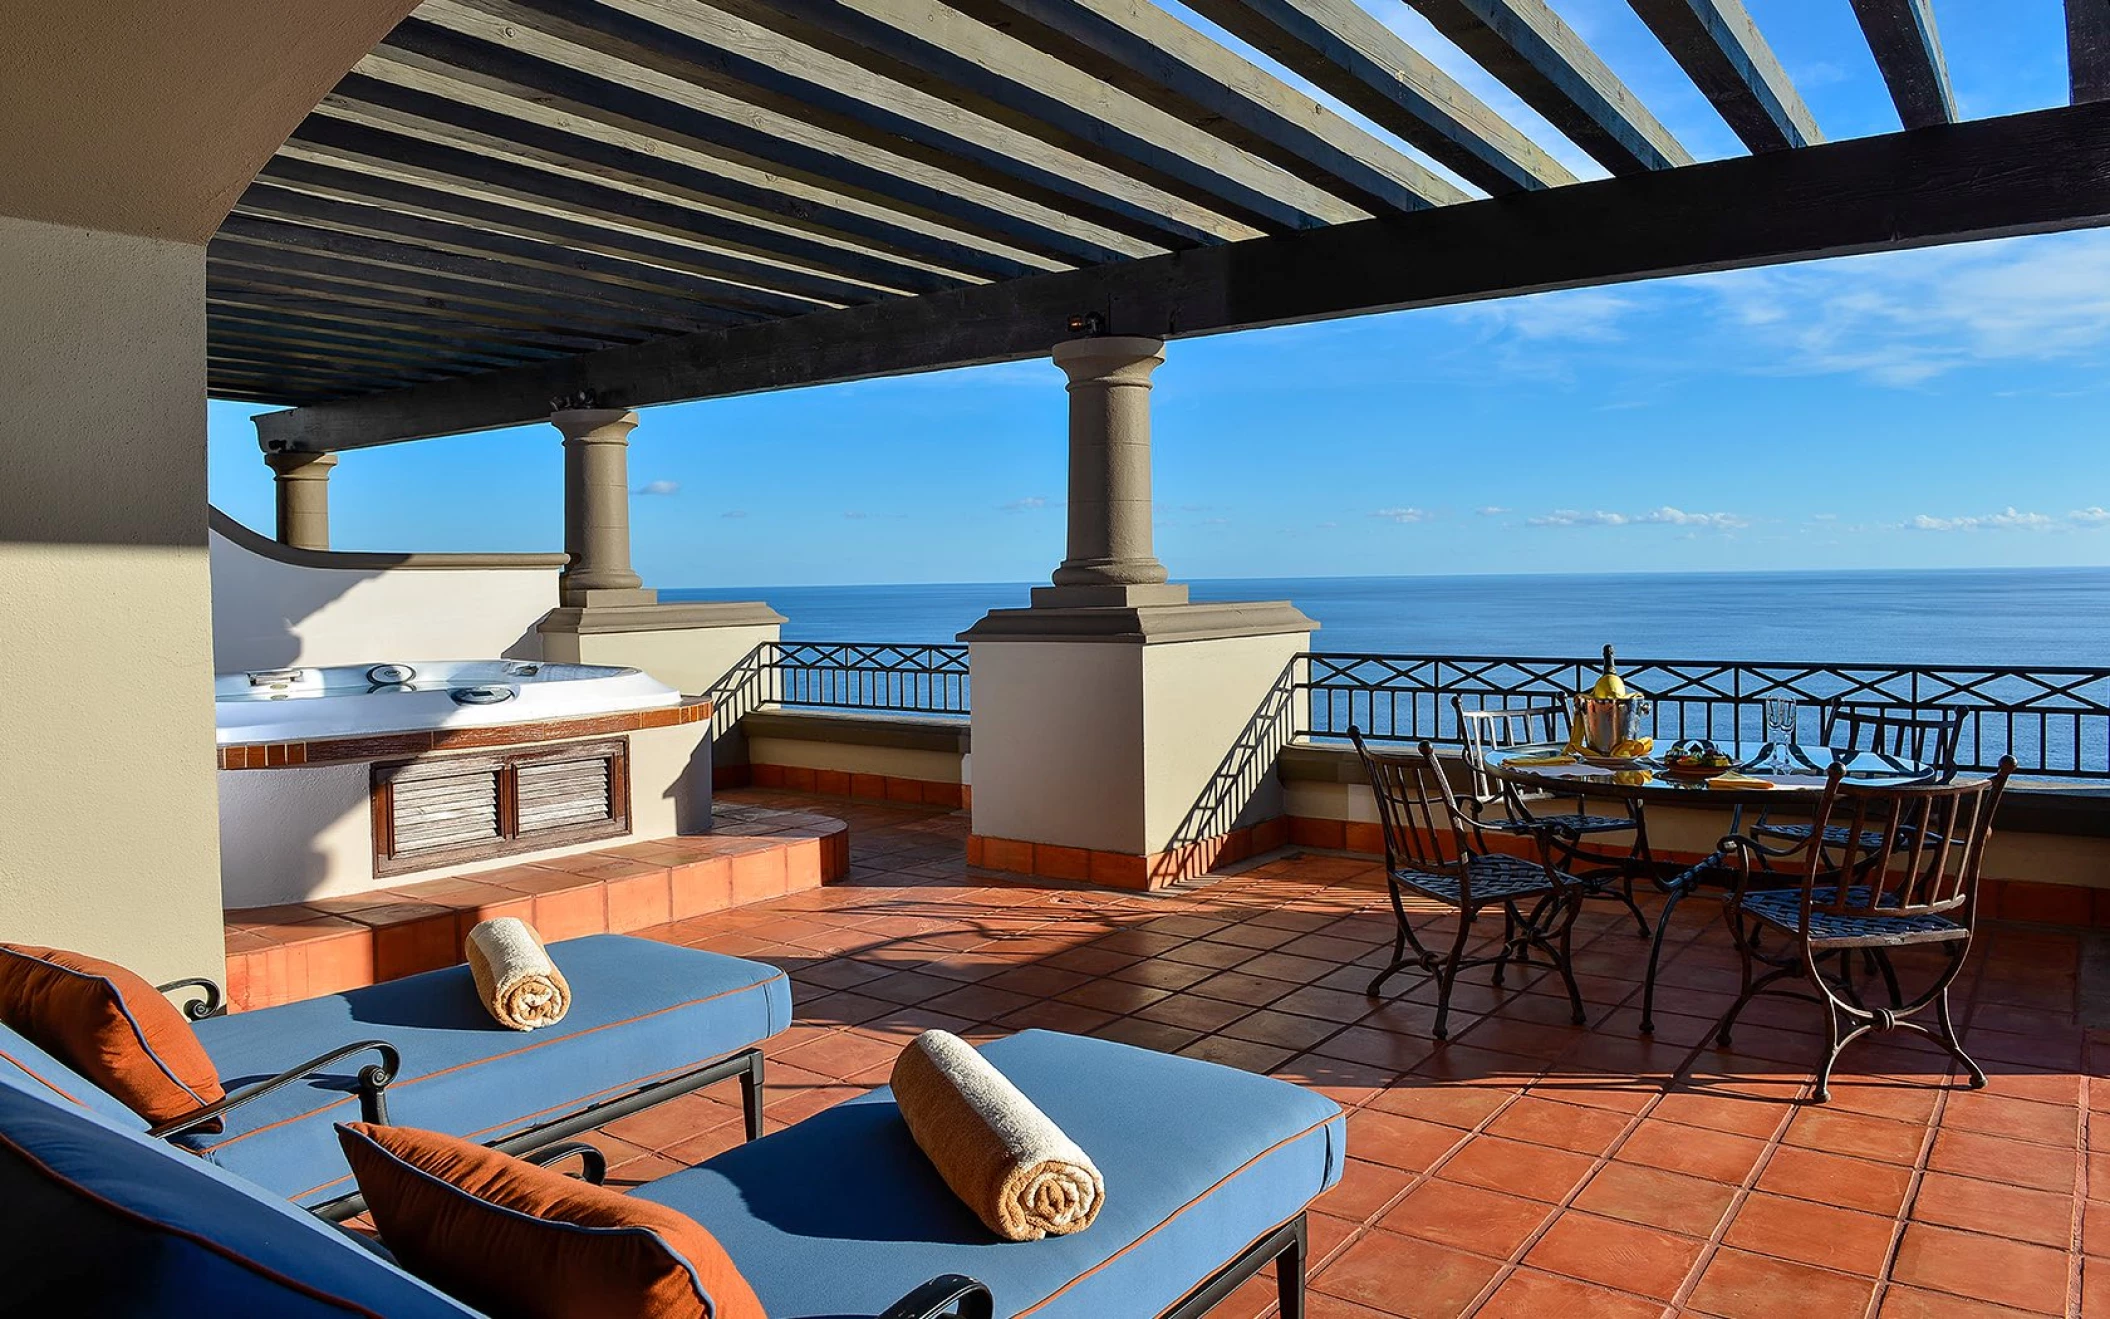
(1490, 728)
(1424, 828)
(1929, 738)
(1911, 851)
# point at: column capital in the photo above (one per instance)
(300, 464)
(1114, 359)
(594, 425)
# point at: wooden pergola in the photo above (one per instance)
(510, 202)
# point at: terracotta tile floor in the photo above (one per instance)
(1527, 1166)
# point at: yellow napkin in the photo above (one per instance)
(1738, 782)
(1527, 762)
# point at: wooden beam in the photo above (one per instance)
(1902, 36)
(1154, 57)
(487, 93)
(1525, 45)
(295, 170)
(2088, 50)
(2021, 174)
(296, 327)
(1343, 50)
(1721, 49)
(947, 55)
(261, 292)
(756, 98)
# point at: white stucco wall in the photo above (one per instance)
(287, 835)
(107, 842)
(268, 614)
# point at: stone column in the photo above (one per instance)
(597, 508)
(1110, 560)
(303, 497)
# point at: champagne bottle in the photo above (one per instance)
(1610, 686)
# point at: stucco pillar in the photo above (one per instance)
(1123, 735)
(597, 508)
(303, 481)
(1110, 561)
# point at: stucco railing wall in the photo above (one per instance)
(277, 607)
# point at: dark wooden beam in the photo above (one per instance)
(1525, 45)
(1154, 57)
(1902, 36)
(1721, 49)
(297, 328)
(1343, 49)
(262, 292)
(2088, 50)
(516, 97)
(2021, 174)
(949, 56)
(764, 99)
(292, 170)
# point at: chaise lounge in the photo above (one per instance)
(837, 1216)
(649, 1021)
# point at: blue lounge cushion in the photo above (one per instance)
(24, 1061)
(102, 1220)
(642, 1011)
(841, 1215)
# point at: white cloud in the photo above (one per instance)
(661, 487)
(1580, 315)
(1491, 511)
(1021, 505)
(2011, 519)
(1402, 514)
(1665, 516)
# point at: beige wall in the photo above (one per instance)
(269, 614)
(107, 837)
(287, 835)
(855, 758)
(686, 659)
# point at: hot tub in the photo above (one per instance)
(300, 705)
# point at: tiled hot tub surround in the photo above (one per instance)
(298, 950)
(388, 746)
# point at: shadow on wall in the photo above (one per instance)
(276, 607)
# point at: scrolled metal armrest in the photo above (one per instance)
(373, 1079)
(211, 1003)
(951, 1296)
(594, 1164)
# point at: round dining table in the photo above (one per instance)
(1758, 776)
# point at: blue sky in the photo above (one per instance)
(1939, 408)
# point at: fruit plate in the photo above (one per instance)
(1696, 771)
(1610, 762)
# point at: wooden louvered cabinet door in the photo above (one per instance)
(447, 810)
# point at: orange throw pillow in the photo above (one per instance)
(507, 1237)
(110, 1026)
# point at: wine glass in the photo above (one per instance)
(1780, 716)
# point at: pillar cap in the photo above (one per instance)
(580, 422)
(1087, 358)
(300, 462)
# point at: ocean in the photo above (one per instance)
(2022, 617)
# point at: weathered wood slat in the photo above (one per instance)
(1721, 49)
(280, 325)
(2088, 50)
(778, 103)
(764, 257)
(2029, 173)
(1902, 36)
(1525, 45)
(950, 56)
(330, 180)
(261, 293)
(1147, 53)
(434, 59)
(1344, 50)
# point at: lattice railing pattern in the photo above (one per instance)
(2054, 721)
(856, 675)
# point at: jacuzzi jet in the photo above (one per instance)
(522, 669)
(481, 695)
(390, 675)
(274, 677)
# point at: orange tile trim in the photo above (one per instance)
(383, 746)
(842, 783)
(299, 950)
(1120, 869)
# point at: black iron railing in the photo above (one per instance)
(2054, 721)
(845, 675)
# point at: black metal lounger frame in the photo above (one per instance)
(374, 1078)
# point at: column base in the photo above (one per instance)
(1139, 623)
(1108, 597)
(606, 597)
(1123, 870)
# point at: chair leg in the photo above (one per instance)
(1509, 942)
(1655, 958)
(1289, 1272)
(1881, 961)
(1448, 975)
(1567, 959)
(1401, 941)
(1947, 1038)
(751, 1095)
(1747, 953)
(1832, 1046)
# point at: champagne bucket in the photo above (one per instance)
(1603, 722)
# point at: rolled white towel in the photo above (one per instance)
(515, 978)
(1004, 1158)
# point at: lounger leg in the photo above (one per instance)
(1289, 1272)
(751, 1094)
